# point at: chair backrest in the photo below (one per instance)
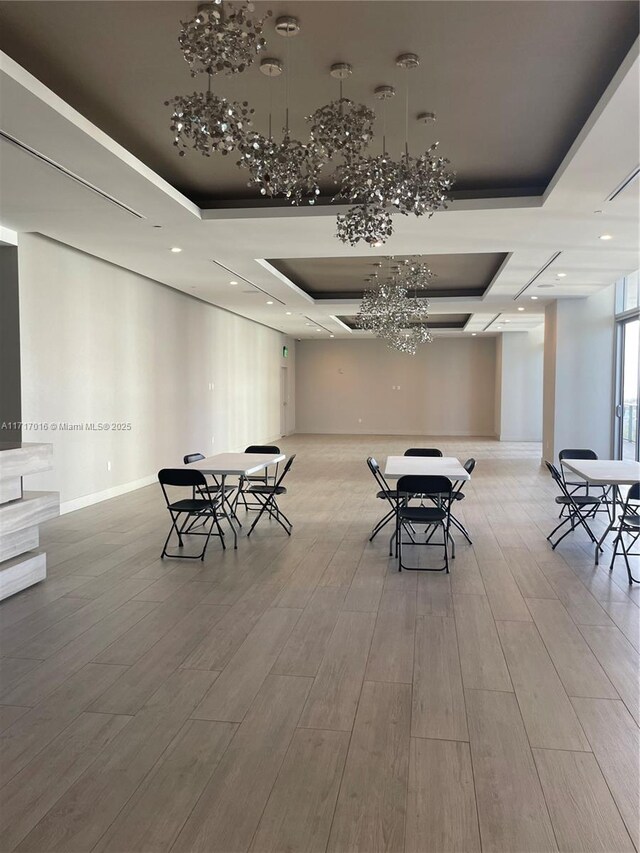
(377, 473)
(285, 470)
(423, 451)
(192, 457)
(181, 477)
(422, 484)
(580, 453)
(262, 448)
(633, 495)
(469, 465)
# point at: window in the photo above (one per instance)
(627, 423)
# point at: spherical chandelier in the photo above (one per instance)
(288, 168)
(342, 126)
(222, 39)
(207, 123)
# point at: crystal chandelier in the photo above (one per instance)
(342, 127)
(222, 40)
(392, 314)
(289, 168)
(206, 123)
(368, 222)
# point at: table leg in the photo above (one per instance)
(224, 504)
(610, 526)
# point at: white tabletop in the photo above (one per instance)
(236, 464)
(605, 472)
(429, 466)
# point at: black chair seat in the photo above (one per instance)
(386, 494)
(458, 496)
(631, 521)
(579, 500)
(268, 490)
(423, 514)
(191, 505)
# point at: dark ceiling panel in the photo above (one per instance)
(442, 322)
(511, 83)
(466, 275)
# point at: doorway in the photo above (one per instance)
(284, 402)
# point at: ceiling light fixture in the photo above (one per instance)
(606, 237)
(561, 275)
(342, 127)
(332, 336)
(473, 334)
(269, 301)
(520, 308)
(175, 249)
(288, 313)
(534, 297)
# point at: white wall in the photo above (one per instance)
(519, 383)
(346, 386)
(579, 357)
(102, 344)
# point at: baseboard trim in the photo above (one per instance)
(106, 494)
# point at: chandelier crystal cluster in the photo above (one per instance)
(225, 39)
(391, 310)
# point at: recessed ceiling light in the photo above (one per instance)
(269, 301)
(473, 334)
(606, 237)
(176, 249)
(507, 321)
(233, 283)
(318, 330)
(561, 275)
(332, 336)
(521, 308)
(307, 324)
(498, 327)
(288, 313)
(534, 297)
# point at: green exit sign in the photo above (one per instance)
(285, 352)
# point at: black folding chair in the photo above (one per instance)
(458, 495)
(628, 523)
(439, 490)
(264, 479)
(185, 512)
(575, 487)
(267, 496)
(423, 451)
(214, 490)
(579, 509)
(385, 493)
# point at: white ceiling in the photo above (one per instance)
(222, 246)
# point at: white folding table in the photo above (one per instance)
(224, 465)
(606, 472)
(425, 466)
(429, 466)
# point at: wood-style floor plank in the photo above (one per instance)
(576, 664)
(300, 809)
(511, 807)
(619, 660)
(438, 709)
(229, 810)
(156, 813)
(583, 813)
(83, 813)
(441, 803)
(334, 696)
(547, 712)
(391, 653)
(371, 808)
(481, 657)
(615, 740)
(238, 684)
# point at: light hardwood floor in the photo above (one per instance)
(301, 695)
